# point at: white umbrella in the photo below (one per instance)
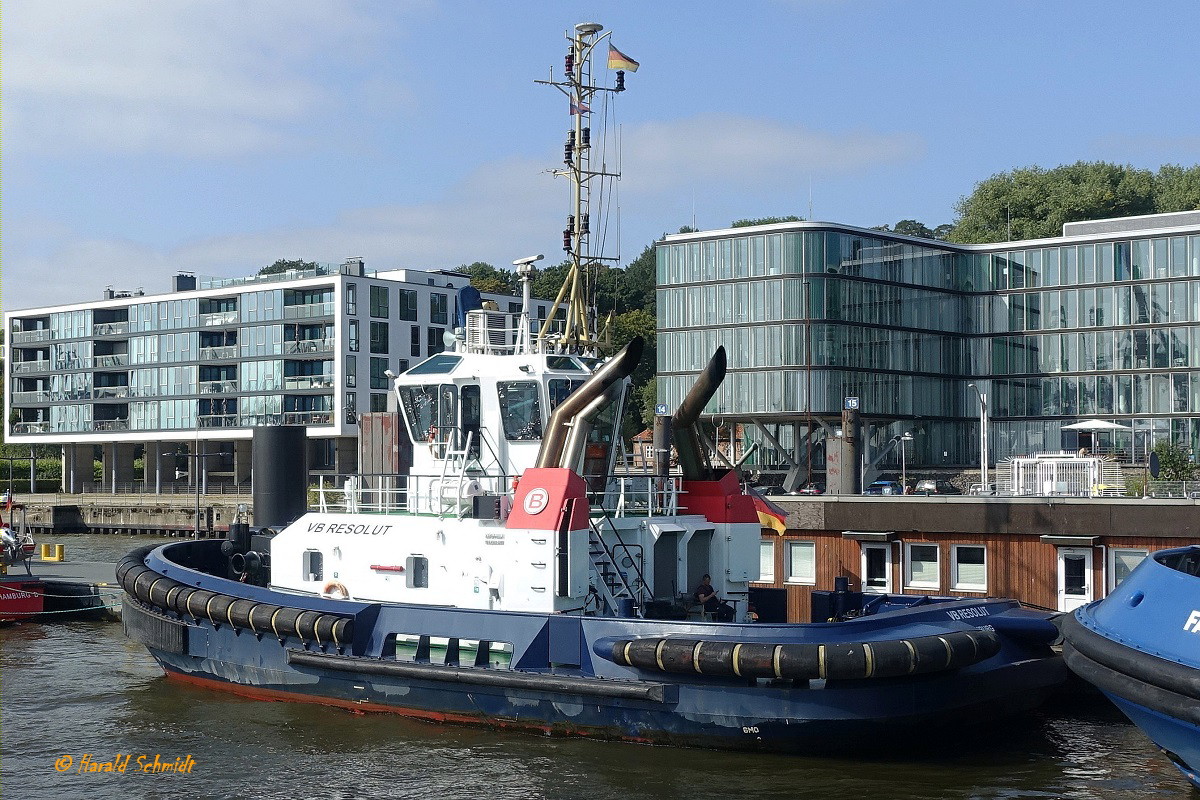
(1095, 425)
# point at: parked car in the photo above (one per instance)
(884, 487)
(769, 490)
(936, 487)
(811, 488)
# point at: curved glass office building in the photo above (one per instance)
(1102, 322)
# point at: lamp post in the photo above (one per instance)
(983, 437)
(193, 472)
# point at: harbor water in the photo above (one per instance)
(79, 701)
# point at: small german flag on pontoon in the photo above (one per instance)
(769, 515)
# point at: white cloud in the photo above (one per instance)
(191, 77)
(502, 211)
(741, 152)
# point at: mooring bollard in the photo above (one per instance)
(54, 552)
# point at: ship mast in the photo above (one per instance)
(577, 296)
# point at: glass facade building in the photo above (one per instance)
(212, 360)
(1102, 322)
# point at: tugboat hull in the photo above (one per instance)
(557, 683)
(1137, 647)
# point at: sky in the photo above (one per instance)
(142, 138)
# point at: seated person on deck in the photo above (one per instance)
(706, 596)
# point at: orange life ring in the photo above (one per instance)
(335, 590)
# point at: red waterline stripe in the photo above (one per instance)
(255, 693)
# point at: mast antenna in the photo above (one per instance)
(579, 324)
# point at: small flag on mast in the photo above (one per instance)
(618, 60)
(579, 108)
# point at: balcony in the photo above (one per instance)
(110, 329)
(114, 360)
(218, 387)
(30, 427)
(305, 346)
(215, 353)
(308, 418)
(41, 365)
(107, 392)
(110, 425)
(219, 421)
(28, 398)
(308, 382)
(309, 310)
(21, 337)
(219, 318)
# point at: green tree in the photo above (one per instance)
(1174, 462)
(1033, 203)
(283, 265)
(746, 223)
(638, 322)
(910, 227)
(1177, 188)
(487, 278)
(637, 283)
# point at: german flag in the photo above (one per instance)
(618, 60)
(769, 515)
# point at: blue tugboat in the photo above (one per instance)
(515, 578)
(1139, 647)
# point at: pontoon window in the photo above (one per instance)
(520, 410)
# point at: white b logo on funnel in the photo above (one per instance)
(536, 501)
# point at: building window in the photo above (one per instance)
(378, 379)
(351, 298)
(408, 305)
(801, 562)
(766, 561)
(921, 571)
(379, 301)
(351, 408)
(415, 342)
(969, 568)
(351, 371)
(353, 336)
(876, 568)
(1121, 563)
(378, 402)
(437, 309)
(379, 337)
(433, 340)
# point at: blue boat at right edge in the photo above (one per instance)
(1141, 647)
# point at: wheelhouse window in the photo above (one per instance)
(560, 389)
(969, 568)
(801, 562)
(922, 568)
(1122, 562)
(431, 410)
(766, 561)
(520, 410)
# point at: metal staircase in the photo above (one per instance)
(615, 583)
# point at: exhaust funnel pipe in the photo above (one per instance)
(616, 369)
(692, 459)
